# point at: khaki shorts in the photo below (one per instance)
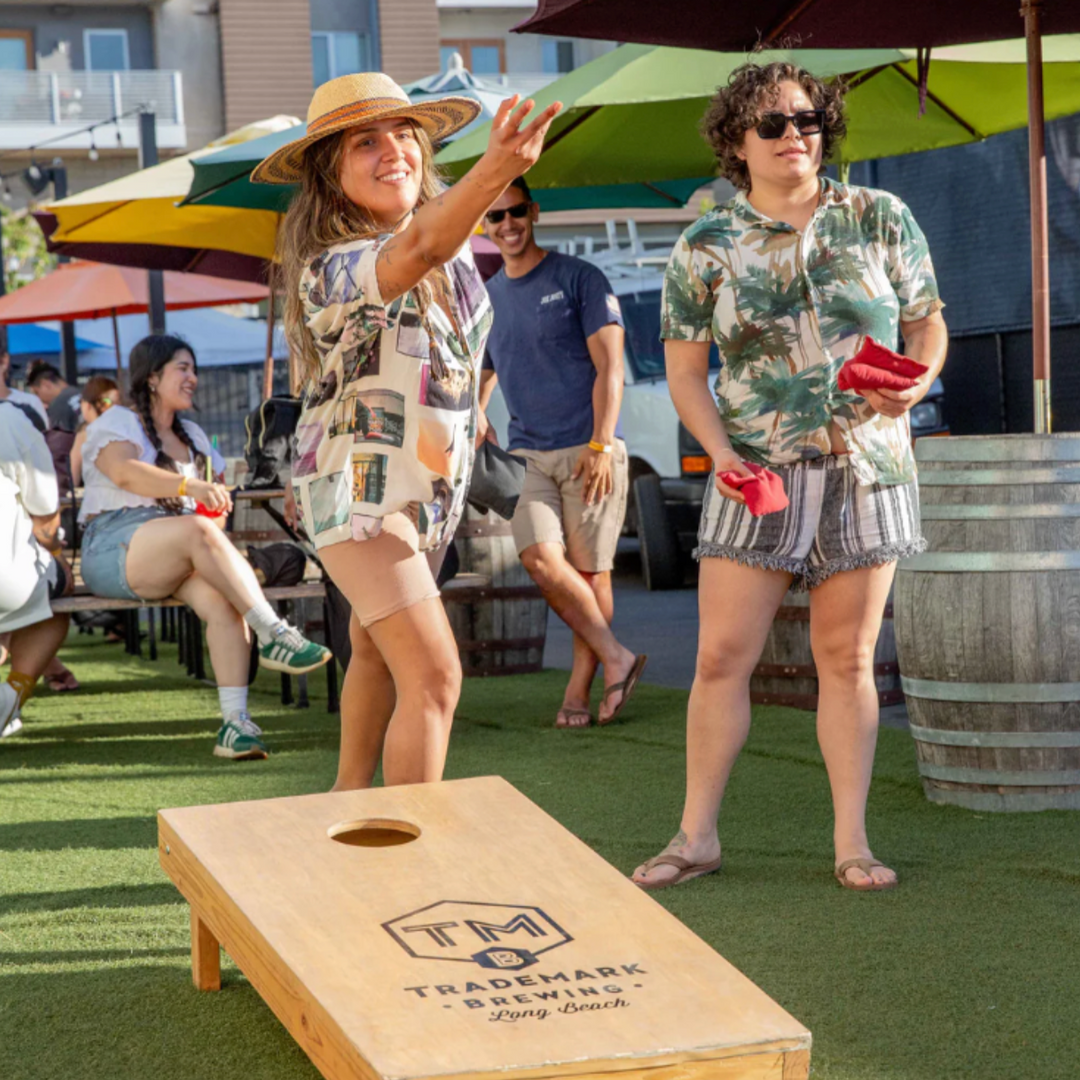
(552, 508)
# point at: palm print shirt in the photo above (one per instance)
(391, 423)
(787, 308)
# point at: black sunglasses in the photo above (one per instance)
(807, 122)
(493, 217)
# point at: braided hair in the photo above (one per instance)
(147, 358)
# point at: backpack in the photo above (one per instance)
(268, 445)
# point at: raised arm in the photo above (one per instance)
(440, 227)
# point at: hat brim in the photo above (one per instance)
(439, 118)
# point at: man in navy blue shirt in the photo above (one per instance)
(556, 349)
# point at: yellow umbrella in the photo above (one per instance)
(139, 212)
(135, 221)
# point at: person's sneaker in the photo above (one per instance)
(291, 652)
(10, 724)
(239, 738)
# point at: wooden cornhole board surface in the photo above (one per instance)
(495, 945)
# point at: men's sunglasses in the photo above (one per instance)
(493, 217)
(807, 122)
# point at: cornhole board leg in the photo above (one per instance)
(205, 955)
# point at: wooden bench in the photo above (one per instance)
(179, 624)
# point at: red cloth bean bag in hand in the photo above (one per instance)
(764, 491)
(874, 367)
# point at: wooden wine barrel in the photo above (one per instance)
(498, 615)
(988, 622)
(785, 673)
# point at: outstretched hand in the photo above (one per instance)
(513, 149)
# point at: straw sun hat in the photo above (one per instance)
(357, 99)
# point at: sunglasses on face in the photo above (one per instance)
(807, 122)
(493, 217)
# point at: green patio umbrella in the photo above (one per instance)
(631, 116)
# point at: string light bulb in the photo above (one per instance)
(93, 155)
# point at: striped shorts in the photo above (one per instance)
(832, 524)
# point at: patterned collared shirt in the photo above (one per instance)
(788, 308)
(391, 424)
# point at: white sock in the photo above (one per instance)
(265, 621)
(233, 699)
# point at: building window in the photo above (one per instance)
(557, 57)
(336, 53)
(106, 50)
(16, 50)
(481, 57)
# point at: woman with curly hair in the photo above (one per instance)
(154, 506)
(386, 309)
(789, 279)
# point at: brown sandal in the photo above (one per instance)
(627, 686)
(570, 711)
(865, 865)
(686, 868)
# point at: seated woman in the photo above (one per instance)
(32, 570)
(98, 395)
(144, 471)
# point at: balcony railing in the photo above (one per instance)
(40, 105)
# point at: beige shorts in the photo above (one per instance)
(552, 508)
(386, 574)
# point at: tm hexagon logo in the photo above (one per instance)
(507, 937)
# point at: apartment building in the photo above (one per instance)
(204, 67)
(480, 30)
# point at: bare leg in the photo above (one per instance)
(420, 657)
(736, 605)
(367, 704)
(165, 552)
(227, 635)
(585, 660)
(571, 598)
(33, 647)
(845, 620)
(419, 649)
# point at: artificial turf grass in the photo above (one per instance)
(969, 969)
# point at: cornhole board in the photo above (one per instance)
(493, 945)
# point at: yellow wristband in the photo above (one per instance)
(183, 487)
(600, 448)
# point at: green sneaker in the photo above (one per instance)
(239, 738)
(291, 652)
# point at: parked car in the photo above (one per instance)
(668, 467)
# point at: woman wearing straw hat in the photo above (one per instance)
(388, 314)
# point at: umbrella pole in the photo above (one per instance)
(268, 364)
(116, 343)
(1040, 256)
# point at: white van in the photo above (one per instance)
(668, 467)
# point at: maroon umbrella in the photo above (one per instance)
(852, 24)
(213, 263)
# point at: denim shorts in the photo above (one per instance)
(105, 547)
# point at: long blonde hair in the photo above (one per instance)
(321, 216)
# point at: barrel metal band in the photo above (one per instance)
(954, 562)
(993, 693)
(1005, 740)
(962, 512)
(996, 477)
(996, 448)
(999, 777)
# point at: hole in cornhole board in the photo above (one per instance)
(374, 832)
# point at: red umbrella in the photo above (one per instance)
(88, 290)
(851, 24)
